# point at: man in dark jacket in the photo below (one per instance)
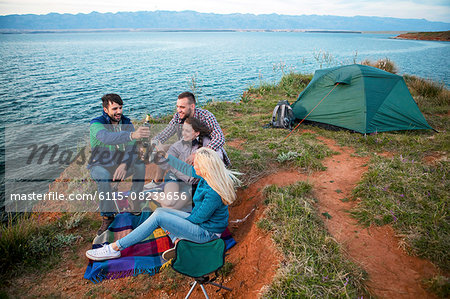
(114, 156)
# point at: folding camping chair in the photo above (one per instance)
(199, 261)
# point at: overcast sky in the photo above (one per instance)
(432, 10)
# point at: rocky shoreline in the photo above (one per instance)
(433, 36)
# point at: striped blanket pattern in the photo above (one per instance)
(143, 257)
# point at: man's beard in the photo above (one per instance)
(115, 117)
(187, 115)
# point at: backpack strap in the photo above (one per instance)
(274, 114)
(290, 116)
(283, 114)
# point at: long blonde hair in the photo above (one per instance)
(220, 179)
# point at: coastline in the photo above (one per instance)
(106, 30)
(443, 36)
(32, 31)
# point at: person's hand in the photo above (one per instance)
(159, 147)
(141, 132)
(120, 172)
(190, 159)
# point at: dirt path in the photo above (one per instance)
(392, 273)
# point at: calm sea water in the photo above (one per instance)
(59, 78)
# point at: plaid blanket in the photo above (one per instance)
(143, 257)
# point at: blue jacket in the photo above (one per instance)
(111, 144)
(209, 211)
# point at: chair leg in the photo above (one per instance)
(203, 288)
(190, 291)
(204, 291)
(220, 286)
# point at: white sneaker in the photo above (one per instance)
(104, 253)
(152, 186)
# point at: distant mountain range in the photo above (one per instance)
(191, 20)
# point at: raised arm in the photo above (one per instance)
(168, 131)
(182, 167)
(105, 136)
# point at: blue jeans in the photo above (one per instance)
(103, 177)
(171, 220)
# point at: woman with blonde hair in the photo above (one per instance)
(209, 217)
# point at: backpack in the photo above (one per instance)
(282, 116)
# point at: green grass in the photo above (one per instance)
(410, 144)
(413, 197)
(315, 265)
(431, 96)
(440, 285)
(27, 245)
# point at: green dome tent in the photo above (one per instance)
(359, 98)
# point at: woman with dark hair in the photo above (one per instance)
(178, 187)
